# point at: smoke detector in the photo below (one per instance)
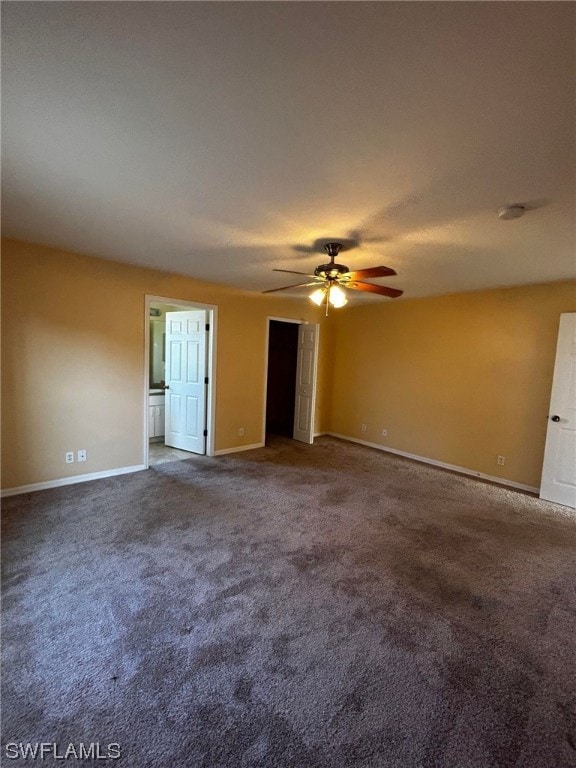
(508, 212)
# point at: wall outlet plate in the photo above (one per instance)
(81, 456)
(363, 427)
(384, 433)
(501, 460)
(241, 432)
(69, 457)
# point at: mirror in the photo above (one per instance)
(157, 353)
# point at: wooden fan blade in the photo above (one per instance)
(286, 287)
(383, 290)
(370, 272)
(291, 272)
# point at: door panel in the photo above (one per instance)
(174, 403)
(193, 363)
(174, 354)
(303, 414)
(186, 363)
(306, 382)
(559, 470)
(192, 412)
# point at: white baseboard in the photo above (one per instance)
(238, 448)
(139, 467)
(442, 464)
(72, 480)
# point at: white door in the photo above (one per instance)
(306, 382)
(559, 470)
(185, 405)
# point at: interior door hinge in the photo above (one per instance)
(205, 433)
(207, 326)
(205, 379)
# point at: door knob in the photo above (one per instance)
(166, 386)
(555, 418)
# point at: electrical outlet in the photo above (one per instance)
(384, 433)
(81, 456)
(241, 432)
(363, 427)
(69, 457)
(501, 460)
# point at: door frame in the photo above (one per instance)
(212, 315)
(266, 361)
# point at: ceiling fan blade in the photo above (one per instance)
(291, 272)
(286, 287)
(370, 272)
(383, 290)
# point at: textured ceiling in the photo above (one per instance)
(221, 140)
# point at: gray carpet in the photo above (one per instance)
(292, 607)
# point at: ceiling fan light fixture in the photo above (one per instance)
(329, 294)
(331, 278)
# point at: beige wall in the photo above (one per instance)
(459, 379)
(73, 360)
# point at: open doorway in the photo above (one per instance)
(291, 363)
(281, 377)
(179, 380)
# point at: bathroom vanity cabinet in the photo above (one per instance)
(156, 410)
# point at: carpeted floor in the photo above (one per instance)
(292, 607)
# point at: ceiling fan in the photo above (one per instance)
(331, 278)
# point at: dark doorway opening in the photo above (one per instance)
(281, 386)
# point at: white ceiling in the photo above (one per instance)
(221, 140)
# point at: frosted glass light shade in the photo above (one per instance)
(318, 296)
(337, 297)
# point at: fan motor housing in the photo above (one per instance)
(330, 270)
